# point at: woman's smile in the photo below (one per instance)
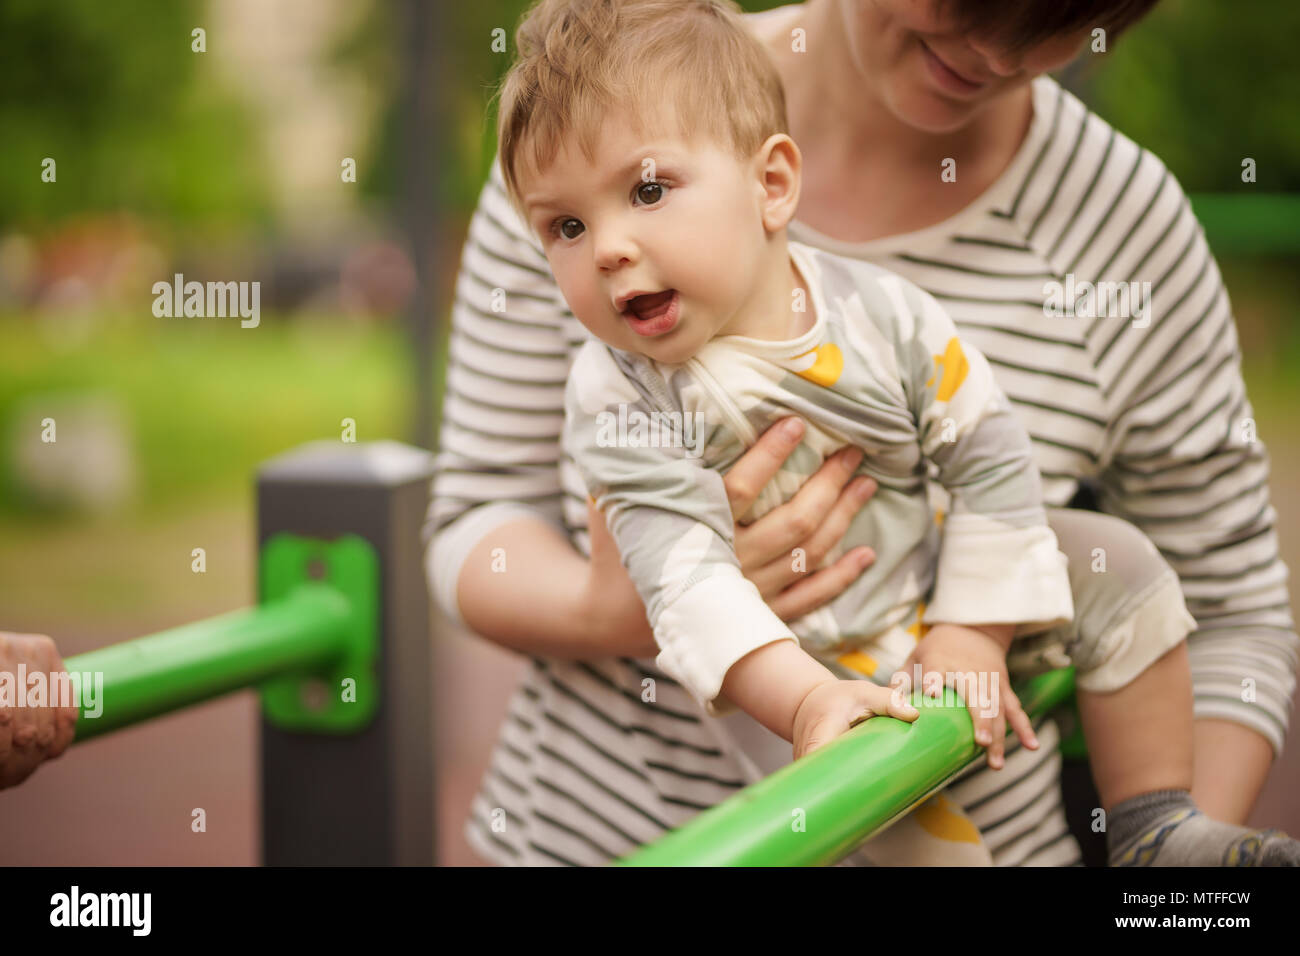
(949, 79)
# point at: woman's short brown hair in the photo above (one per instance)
(1016, 24)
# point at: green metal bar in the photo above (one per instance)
(819, 809)
(304, 631)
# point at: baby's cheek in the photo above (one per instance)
(588, 311)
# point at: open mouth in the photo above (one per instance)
(653, 314)
(650, 306)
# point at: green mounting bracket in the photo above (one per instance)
(343, 697)
(1073, 745)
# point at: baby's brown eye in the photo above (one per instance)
(640, 192)
(564, 226)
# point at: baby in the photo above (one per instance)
(644, 142)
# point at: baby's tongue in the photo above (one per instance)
(650, 306)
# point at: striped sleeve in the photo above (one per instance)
(503, 407)
(1182, 460)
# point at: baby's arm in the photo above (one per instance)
(770, 683)
(1000, 573)
(668, 511)
(795, 697)
(998, 560)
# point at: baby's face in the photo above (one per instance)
(662, 216)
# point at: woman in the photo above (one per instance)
(934, 145)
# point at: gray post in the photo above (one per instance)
(365, 798)
(424, 111)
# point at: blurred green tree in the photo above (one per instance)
(115, 95)
(470, 68)
(1204, 86)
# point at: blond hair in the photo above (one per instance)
(580, 59)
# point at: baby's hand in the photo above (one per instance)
(950, 650)
(833, 707)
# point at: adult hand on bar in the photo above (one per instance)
(30, 734)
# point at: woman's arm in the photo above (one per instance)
(498, 481)
(543, 603)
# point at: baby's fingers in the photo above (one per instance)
(983, 723)
(876, 701)
(990, 729)
(998, 746)
(899, 706)
(1019, 721)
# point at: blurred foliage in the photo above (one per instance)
(207, 404)
(1204, 85)
(114, 94)
(466, 73)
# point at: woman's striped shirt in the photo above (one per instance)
(1153, 413)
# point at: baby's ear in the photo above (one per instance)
(780, 169)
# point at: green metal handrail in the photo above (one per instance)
(844, 792)
(315, 623)
(153, 675)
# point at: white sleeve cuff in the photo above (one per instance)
(708, 628)
(445, 556)
(990, 572)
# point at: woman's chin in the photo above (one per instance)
(927, 110)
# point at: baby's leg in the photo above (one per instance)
(1127, 644)
(1135, 700)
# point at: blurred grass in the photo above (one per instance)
(207, 402)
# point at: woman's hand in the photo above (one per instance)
(814, 520)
